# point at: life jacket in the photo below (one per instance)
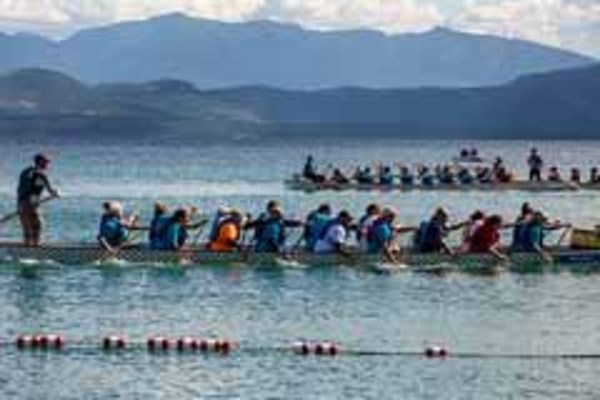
(165, 234)
(112, 231)
(523, 240)
(328, 226)
(214, 236)
(376, 238)
(316, 224)
(483, 239)
(158, 228)
(364, 226)
(270, 235)
(386, 178)
(427, 238)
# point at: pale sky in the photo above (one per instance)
(571, 24)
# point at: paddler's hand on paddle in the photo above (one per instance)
(54, 194)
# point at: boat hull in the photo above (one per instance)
(527, 186)
(92, 255)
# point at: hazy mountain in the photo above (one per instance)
(41, 105)
(213, 54)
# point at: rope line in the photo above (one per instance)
(161, 345)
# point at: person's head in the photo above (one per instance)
(538, 217)
(534, 151)
(181, 216)
(115, 209)
(494, 221)
(324, 209)
(345, 217)
(41, 161)
(477, 216)
(367, 170)
(440, 215)
(386, 170)
(273, 205)
(389, 214)
(310, 158)
(160, 209)
(526, 209)
(373, 209)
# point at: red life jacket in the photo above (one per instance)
(484, 239)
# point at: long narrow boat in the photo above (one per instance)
(305, 185)
(564, 258)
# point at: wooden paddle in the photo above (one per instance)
(15, 214)
(562, 237)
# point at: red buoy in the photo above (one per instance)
(436, 352)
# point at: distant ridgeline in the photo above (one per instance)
(212, 54)
(44, 105)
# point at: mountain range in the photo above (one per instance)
(212, 54)
(42, 105)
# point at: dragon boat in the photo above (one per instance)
(564, 258)
(301, 184)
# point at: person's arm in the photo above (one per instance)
(48, 185)
(405, 229)
(292, 223)
(537, 247)
(497, 253)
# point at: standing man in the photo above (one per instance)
(536, 164)
(32, 183)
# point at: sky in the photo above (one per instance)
(570, 24)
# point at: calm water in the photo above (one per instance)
(264, 309)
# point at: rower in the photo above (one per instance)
(270, 229)
(339, 177)
(32, 183)
(382, 234)
(406, 177)
(536, 164)
(430, 236)
(310, 171)
(530, 237)
(554, 175)
(465, 177)
(575, 175)
(365, 176)
(315, 224)
(372, 213)
(484, 175)
(474, 222)
(594, 176)
(426, 177)
(227, 235)
(335, 235)
(175, 234)
(158, 225)
(114, 228)
(386, 177)
(446, 176)
(486, 238)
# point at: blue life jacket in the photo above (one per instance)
(428, 237)
(270, 235)
(158, 228)
(379, 234)
(428, 180)
(386, 178)
(173, 238)
(316, 224)
(527, 237)
(112, 230)
(407, 180)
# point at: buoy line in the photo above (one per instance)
(163, 345)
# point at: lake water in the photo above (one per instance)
(266, 310)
